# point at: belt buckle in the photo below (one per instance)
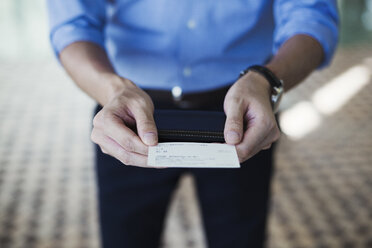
(177, 95)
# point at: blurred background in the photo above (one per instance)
(322, 188)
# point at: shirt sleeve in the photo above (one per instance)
(75, 20)
(316, 18)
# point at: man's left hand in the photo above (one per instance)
(250, 123)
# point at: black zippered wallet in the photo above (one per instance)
(190, 125)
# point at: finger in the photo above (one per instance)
(146, 127)
(233, 130)
(114, 128)
(270, 139)
(110, 147)
(129, 158)
(248, 149)
(253, 140)
(267, 147)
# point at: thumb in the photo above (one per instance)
(146, 127)
(234, 125)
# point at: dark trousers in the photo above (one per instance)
(133, 201)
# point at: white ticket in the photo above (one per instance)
(193, 155)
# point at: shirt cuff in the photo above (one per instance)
(75, 31)
(326, 35)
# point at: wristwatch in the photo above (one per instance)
(277, 88)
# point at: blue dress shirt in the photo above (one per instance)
(194, 44)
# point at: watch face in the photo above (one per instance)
(276, 96)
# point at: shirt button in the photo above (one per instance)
(191, 24)
(187, 71)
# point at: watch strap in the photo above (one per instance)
(267, 73)
(275, 83)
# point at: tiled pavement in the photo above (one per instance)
(322, 190)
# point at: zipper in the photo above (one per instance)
(218, 136)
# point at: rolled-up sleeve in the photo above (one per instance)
(75, 20)
(316, 18)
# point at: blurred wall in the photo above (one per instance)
(23, 30)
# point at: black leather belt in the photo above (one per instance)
(212, 99)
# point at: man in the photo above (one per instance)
(134, 56)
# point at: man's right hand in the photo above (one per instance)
(126, 107)
(129, 109)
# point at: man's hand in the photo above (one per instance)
(126, 107)
(113, 127)
(250, 123)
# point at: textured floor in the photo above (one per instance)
(322, 190)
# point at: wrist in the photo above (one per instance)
(257, 84)
(114, 85)
(276, 84)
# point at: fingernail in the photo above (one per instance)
(149, 138)
(233, 137)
